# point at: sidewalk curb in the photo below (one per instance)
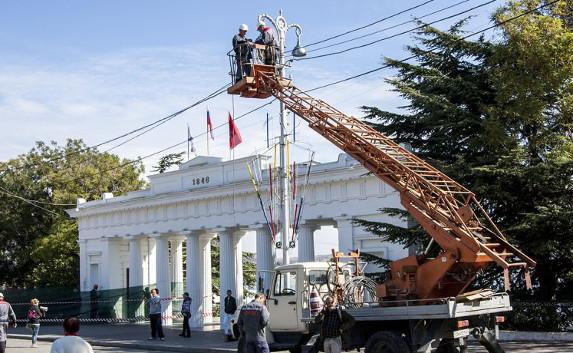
(535, 336)
(149, 347)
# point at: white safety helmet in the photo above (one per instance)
(243, 27)
(261, 24)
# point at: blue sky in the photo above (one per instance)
(97, 69)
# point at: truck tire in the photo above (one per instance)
(447, 347)
(386, 342)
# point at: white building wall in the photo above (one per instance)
(209, 195)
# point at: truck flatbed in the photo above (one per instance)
(449, 308)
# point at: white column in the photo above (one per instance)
(135, 263)
(231, 263)
(111, 273)
(306, 242)
(163, 280)
(193, 276)
(84, 285)
(265, 257)
(206, 288)
(199, 281)
(226, 263)
(149, 267)
(345, 234)
(238, 255)
(177, 261)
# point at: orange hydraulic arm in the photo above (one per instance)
(449, 212)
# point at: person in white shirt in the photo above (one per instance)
(71, 342)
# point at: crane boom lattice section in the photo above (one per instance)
(448, 211)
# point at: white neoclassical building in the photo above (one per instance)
(162, 236)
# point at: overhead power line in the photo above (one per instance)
(28, 201)
(370, 24)
(416, 18)
(432, 50)
(147, 128)
(398, 34)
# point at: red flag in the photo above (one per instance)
(234, 134)
(210, 125)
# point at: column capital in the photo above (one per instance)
(164, 235)
(310, 225)
(342, 221)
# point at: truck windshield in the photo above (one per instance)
(285, 283)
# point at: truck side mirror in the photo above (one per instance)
(267, 294)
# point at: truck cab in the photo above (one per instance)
(288, 301)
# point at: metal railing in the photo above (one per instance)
(244, 56)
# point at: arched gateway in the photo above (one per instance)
(137, 240)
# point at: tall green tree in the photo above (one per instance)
(38, 241)
(497, 117)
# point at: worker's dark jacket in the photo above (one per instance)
(266, 38)
(230, 305)
(241, 48)
(253, 319)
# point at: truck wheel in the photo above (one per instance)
(447, 347)
(386, 342)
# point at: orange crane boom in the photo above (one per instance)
(450, 213)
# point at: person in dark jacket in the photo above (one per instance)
(334, 321)
(186, 312)
(34, 314)
(253, 319)
(242, 49)
(229, 308)
(94, 302)
(267, 38)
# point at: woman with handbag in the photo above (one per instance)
(34, 314)
(186, 312)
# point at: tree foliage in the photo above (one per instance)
(38, 240)
(168, 161)
(497, 116)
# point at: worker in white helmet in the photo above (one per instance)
(242, 48)
(267, 38)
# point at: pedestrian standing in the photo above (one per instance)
(71, 342)
(7, 318)
(186, 312)
(334, 321)
(155, 316)
(253, 319)
(34, 314)
(94, 302)
(229, 308)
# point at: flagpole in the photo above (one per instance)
(188, 138)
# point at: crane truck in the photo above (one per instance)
(423, 305)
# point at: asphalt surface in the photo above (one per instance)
(133, 339)
(23, 345)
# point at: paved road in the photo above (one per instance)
(21, 346)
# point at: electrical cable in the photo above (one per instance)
(432, 50)
(157, 122)
(31, 202)
(417, 18)
(396, 34)
(370, 24)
